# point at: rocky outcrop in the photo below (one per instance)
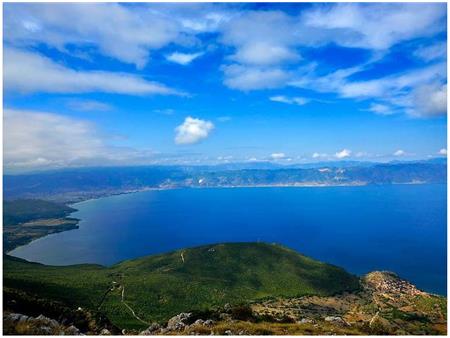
(389, 283)
(20, 324)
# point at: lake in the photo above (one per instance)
(401, 228)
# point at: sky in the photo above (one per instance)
(203, 83)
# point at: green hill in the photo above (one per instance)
(158, 287)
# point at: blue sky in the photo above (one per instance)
(121, 84)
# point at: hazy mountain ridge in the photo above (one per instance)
(78, 184)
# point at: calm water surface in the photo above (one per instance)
(401, 228)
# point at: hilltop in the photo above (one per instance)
(159, 287)
(233, 288)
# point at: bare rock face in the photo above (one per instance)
(390, 283)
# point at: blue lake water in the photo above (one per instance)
(401, 228)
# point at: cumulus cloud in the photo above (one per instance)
(28, 72)
(400, 153)
(443, 151)
(40, 140)
(255, 40)
(278, 156)
(300, 101)
(182, 58)
(192, 130)
(343, 153)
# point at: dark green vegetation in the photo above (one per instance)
(158, 287)
(83, 183)
(25, 220)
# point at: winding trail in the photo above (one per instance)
(129, 307)
(182, 256)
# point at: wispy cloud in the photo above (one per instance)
(122, 32)
(251, 78)
(300, 101)
(28, 72)
(88, 105)
(182, 58)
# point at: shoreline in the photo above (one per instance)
(300, 185)
(293, 185)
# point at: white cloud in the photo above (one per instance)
(409, 91)
(319, 155)
(88, 105)
(300, 101)
(437, 51)
(278, 156)
(37, 139)
(252, 78)
(381, 109)
(343, 153)
(443, 151)
(41, 140)
(123, 32)
(192, 131)
(371, 25)
(183, 58)
(255, 40)
(400, 153)
(27, 72)
(430, 100)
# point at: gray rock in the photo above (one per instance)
(225, 316)
(228, 333)
(305, 321)
(208, 322)
(151, 330)
(72, 330)
(53, 323)
(335, 320)
(17, 317)
(45, 330)
(105, 332)
(199, 322)
(42, 318)
(179, 321)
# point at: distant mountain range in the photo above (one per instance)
(83, 183)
